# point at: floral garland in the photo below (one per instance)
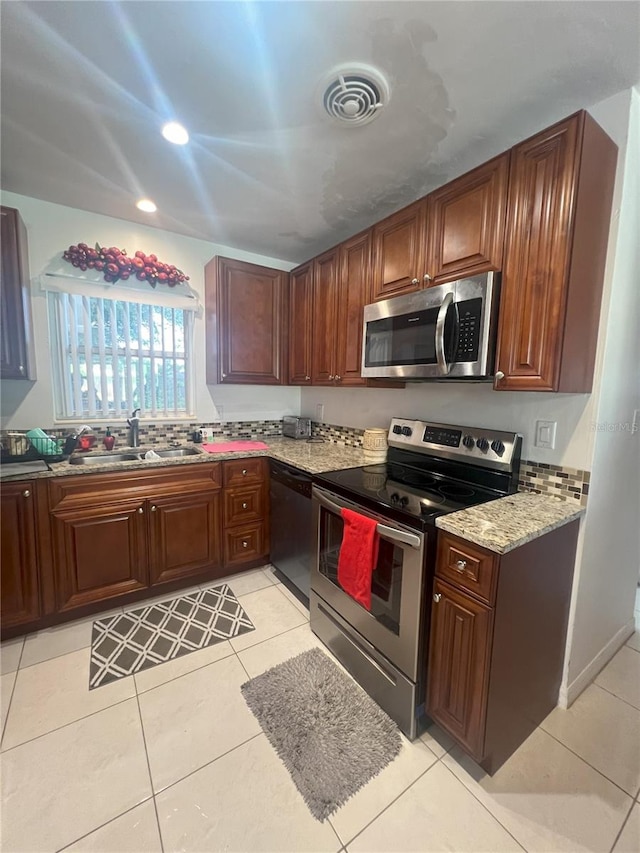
(116, 265)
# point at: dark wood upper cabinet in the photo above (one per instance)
(466, 223)
(558, 216)
(246, 324)
(301, 324)
(18, 569)
(325, 313)
(399, 252)
(17, 356)
(354, 292)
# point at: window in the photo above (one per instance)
(111, 356)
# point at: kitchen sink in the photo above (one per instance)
(178, 451)
(104, 458)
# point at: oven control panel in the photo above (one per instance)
(478, 445)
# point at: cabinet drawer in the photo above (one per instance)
(238, 472)
(467, 566)
(243, 505)
(245, 543)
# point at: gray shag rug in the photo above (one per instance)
(329, 733)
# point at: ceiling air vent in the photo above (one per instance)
(354, 94)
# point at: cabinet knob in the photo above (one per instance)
(244, 472)
(331, 377)
(499, 375)
(461, 565)
(427, 277)
(414, 281)
(245, 544)
(244, 505)
(338, 378)
(21, 368)
(307, 379)
(437, 596)
(224, 375)
(26, 493)
(154, 508)
(140, 511)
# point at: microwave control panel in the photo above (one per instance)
(469, 316)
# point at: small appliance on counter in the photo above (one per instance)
(294, 427)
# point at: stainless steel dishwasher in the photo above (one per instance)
(291, 527)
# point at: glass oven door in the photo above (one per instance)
(397, 584)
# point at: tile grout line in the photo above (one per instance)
(146, 755)
(64, 725)
(106, 823)
(620, 831)
(584, 760)
(13, 690)
(611, 693)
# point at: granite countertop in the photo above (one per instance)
(312, 457)
(509, 522)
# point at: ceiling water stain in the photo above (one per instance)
(384, 165)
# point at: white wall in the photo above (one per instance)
(52, 228)
(602, 612)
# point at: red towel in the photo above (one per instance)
(358, 556)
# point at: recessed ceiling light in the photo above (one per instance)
(176, 133)
(146, 205)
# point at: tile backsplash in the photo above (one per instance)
(570, 484)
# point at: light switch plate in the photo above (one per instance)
(546, 434)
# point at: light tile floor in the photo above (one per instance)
(172, 760)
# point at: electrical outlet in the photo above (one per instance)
(546, 434)
(635, 423)
(320, 413)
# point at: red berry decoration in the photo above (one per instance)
(116, 265)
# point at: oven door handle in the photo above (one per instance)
(441, 357)
(391, 533)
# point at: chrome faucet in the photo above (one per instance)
(134, 429)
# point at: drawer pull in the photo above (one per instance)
(245, 544)
(154, 508)
(437, 596)
(26, 493)
(461, 565)
(140, 511)
(244, 505)
(244, 472)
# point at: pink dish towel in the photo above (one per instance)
(234, 446)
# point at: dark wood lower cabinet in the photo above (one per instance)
(497, 644)
(458, 665)
(18, 571)
(99, 553)
(184, 538)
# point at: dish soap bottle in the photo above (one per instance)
(108, 440)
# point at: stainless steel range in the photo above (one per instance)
(431, 469)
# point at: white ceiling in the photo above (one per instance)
(87, 85)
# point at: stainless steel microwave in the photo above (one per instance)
(443, 332)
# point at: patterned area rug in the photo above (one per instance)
(330, 735)
(154, 633)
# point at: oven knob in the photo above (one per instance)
(406, 431)
(482, 444)
(404, 500)
(395, 497)
(497, 447)
(397, 429)
(468, 441)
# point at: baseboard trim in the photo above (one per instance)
(569, 693)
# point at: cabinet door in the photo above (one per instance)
(99, 552)
(18, 570)
(354, 292)
(184, 536)
(300, 325)
(533, 292)
(16, 338)
(466, 223)
(325, 299)
(458, 675)
(251, 323)
(399, 252)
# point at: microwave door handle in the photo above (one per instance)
(383, 530)
(441, 357)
